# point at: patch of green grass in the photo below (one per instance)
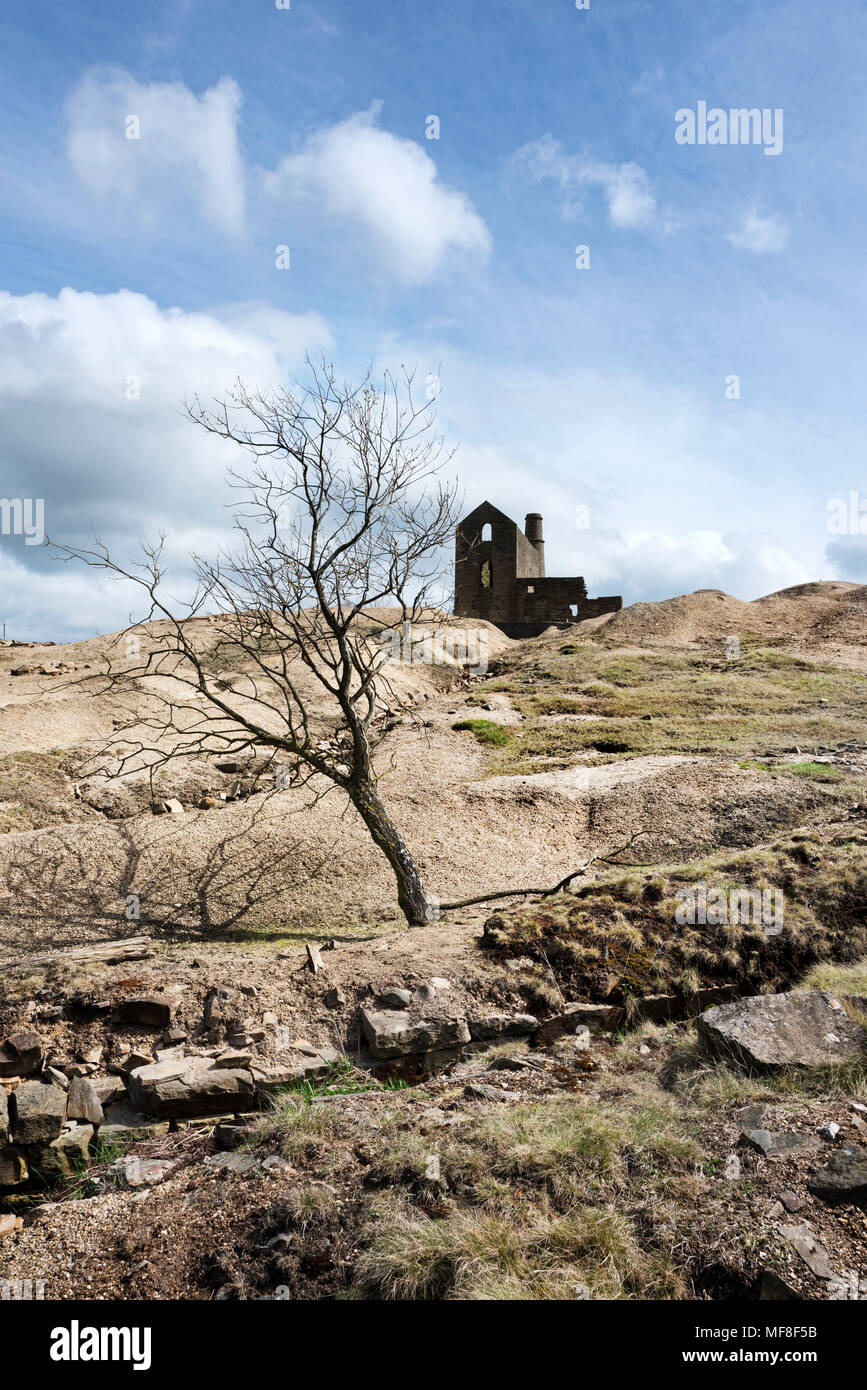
(485, 730)
(815, 772)
(294, 1128)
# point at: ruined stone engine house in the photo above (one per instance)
(500, 576)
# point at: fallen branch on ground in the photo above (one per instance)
(606, 858)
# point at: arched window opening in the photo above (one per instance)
(486, 575)
(486, 531)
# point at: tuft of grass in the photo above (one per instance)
(586, 1253)
(294, 1128)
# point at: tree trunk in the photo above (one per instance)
(410, 890)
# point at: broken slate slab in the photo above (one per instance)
(776, 1145)
(234, 1162)
(479, 1091)
(803, 1239)
(396, 1034)
(843, 1179)
(133, 1171)
(751, 1116)
(394, 998)
(807, 1028)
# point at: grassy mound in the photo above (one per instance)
(620, 938)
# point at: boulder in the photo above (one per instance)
(807, 1028)
(63, 1157)
(395, 1034)
(191, 1086)
(843, 1179)
(37, 1112)
(151, 1010)
(83, 1102)
(13, 1167)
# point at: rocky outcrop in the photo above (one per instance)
(809, 1028)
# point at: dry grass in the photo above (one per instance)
(767, 702)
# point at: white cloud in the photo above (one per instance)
(627, 189)
(389, 187)
(659, 564)
(76, 434)
(186, 145)
(759, 234)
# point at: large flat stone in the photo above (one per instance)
(271, 1078)
(37, 1113)
(805, 1028)
(191, 1087)
(393, 1034)
(844, 1179)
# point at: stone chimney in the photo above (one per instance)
(533, 532)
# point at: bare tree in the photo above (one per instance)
(340, 511)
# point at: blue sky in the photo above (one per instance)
(151, 261)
